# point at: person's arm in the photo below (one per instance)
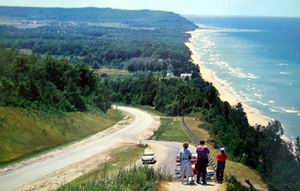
(180, 156)
(190, 155)
(208, 152)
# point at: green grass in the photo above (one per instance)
(115, 174)
(234, 185)
(119, 159)
(112, 72)
(132, 179)
(26, 132)
(171, 130)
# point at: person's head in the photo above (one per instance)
(185, 145)
(222, 150)
(202, 142)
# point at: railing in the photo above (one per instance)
(196, 140)
(194, 137)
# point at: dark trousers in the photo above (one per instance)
(220, 171)
(201, 166)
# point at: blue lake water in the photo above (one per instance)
(260, 59)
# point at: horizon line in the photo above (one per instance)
(182, 14)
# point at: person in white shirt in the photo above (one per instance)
(185, 163)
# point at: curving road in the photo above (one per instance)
(30, 172)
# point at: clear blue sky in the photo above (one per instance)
(290, 8)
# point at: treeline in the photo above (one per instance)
(97, 46)
(147, 64)
(170, 96)
(131, 18)
(259, 147)
(49, 84)
(101, 37)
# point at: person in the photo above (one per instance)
(185, 163)
(202, 161)
(221, 160)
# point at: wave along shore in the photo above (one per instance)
(225, 90)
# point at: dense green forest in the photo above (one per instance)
(137, 40)
(147, 41)
(137, 50)
(47, 83)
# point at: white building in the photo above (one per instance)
(186, 75)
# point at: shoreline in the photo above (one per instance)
(226, 92)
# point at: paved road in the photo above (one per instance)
(14, 179)
(165, 153)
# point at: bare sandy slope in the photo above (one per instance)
(54, 165)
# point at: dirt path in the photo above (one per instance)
(177, 186)
(51, 169)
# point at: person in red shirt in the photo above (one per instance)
(221, 160)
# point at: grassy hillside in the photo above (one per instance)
(24, 132)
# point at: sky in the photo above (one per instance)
(281, 8)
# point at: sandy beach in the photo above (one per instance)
(225, 90)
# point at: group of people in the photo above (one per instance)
(201, 164)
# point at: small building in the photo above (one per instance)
(186, 76)
(170, 75)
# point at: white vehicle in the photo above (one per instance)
(148, 157)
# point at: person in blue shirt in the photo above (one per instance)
(185, 163)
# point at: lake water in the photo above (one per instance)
(260, 59)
